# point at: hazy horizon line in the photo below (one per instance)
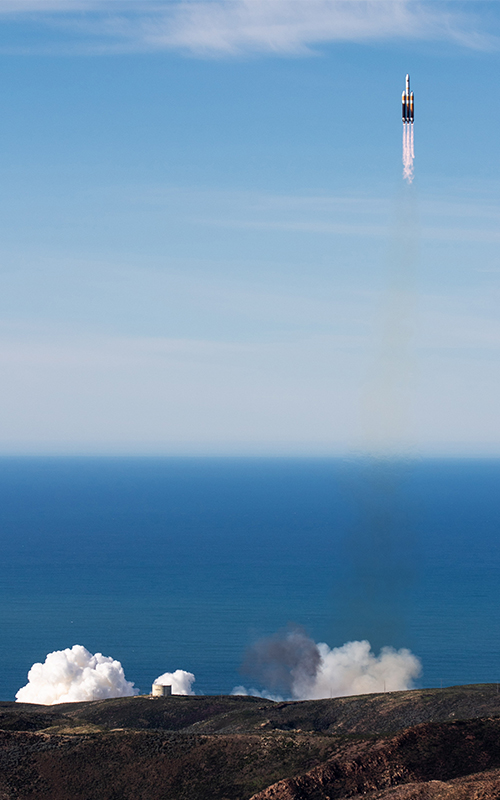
(344, 456)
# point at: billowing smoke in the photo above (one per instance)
(355, 669)
(408, 151)
(180, 681)
(283, 661)
(73, 675)
(294, 664)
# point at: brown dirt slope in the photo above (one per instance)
(420, 755)
(421, 744)
(149, 765)
(482, 786)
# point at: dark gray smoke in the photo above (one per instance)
(282, 661)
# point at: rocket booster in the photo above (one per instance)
(408, 103)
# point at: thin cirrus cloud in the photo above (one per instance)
(235, 27)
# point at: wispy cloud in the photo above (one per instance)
(218, 28)
(356, 216)
(295, 26)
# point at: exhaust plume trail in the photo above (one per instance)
(380, 541)
(408, 151)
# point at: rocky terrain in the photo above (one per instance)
(435, 743)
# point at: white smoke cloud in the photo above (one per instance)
(286, 659)
(180, 681)
(408, 152)
(355, 669)
(73, 675)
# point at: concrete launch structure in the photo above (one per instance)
(157, 690)
(408, 103)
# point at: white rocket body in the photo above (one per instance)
(407, 103)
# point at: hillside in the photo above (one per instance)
(419, 744)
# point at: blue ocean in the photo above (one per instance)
(183, 563)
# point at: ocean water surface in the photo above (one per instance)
(167, 563)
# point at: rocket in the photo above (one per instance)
(407, 100)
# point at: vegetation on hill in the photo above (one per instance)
(442, 743)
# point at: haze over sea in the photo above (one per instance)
(169, 563)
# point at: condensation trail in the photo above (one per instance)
(408, 151)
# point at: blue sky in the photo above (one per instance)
(206, 245)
